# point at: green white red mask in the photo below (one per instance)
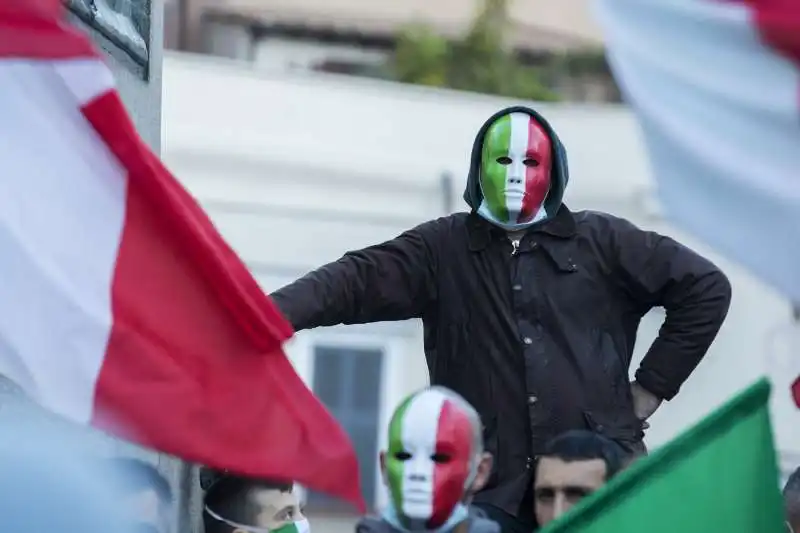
(431, 459)
(515, 173)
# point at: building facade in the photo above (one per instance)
(358, 37)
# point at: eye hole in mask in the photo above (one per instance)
(402, 456)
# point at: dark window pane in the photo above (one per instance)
(366, 381)
(348, 382)
(328, 376)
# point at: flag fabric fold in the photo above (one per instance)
(720, 475)
(121, 305)
(716, 87)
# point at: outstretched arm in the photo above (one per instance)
(390, 281)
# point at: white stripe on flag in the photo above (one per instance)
(721, 115)
(58, 259)
(85, 78)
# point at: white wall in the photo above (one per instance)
(298, 169)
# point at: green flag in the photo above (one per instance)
(719, 476)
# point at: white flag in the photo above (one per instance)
(716, 87)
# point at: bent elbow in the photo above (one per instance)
(721, 291)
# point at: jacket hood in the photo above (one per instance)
(559, 173)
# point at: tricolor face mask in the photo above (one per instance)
(516, 161)
(429, 462)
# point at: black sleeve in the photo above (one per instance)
(390, 281)
(659, 272)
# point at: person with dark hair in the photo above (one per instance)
(145, 492)
(573, 465)
(791, 502)
(236, 504)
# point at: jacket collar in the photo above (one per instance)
(482, 232)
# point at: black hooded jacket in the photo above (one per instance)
(539, 341)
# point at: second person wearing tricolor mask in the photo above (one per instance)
(433, 464)
(530, 310)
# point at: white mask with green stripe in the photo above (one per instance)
(431, 458)
(515, 172)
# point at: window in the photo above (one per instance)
(122, 25)
(353, 68)
(348, 382)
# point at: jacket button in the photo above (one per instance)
(528, 462)
(532, 400)
(527, 340)
(517, 287)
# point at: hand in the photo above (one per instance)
(645, 403)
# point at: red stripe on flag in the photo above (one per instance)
(194, 365)
(796, 391)
(778, 22)
(32, 29)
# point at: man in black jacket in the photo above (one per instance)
(530, 311)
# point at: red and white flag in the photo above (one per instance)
(120, 304)
(716, 87)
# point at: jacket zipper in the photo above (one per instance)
(514, 248)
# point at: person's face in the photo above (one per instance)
(275, 510)
(559, 485)
(515, 169)
(150, 513)
(429, 464)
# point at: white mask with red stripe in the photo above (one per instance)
(430, 462)
(515, 173)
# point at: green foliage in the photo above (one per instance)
(479, 62)
(421, 57)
